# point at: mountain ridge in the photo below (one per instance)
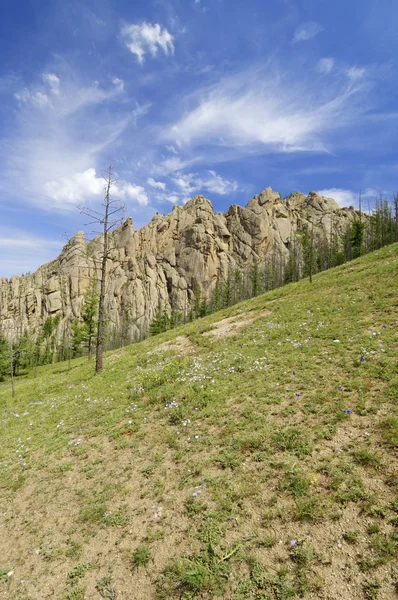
(165, 262)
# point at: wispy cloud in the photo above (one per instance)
(145, 37)
(348, 197)
(355, 73)
(325, 65)
(306, 31)
(160, 185)
(256, 112)
(22, 252)
(189, 183)
(53, 81)
(182, 186)
(51, 155)
(37, 99)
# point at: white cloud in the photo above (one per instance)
(129, 191)
(160, 185)
(190, 183)
(58, 139)
(144, 38)
(306, 31)
(254, 112)
(171, 149)
(119, 83)
(325, 65)
(355, 73)
(72, 190)
(37, 99)
(140, 111)
(68, 192)
(171, 165)
(53, 82)
(172, 198)
(347, 197)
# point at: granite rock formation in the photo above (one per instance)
(164, 262)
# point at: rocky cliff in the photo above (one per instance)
(166, 261)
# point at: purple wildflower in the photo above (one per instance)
(293, 543)
(361, 359)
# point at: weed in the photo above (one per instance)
(74, 549)
(308, 509)
(371, 590)
(353, 490)
(262, 585)
(375, 528)
(389, 430)
(77, 594)
(93, 513)
(77, 573)
(188, 575)
(351, 536)
(117, 519)
(267, 541)
(64, 467)
(105, 588)
(141, 556)
(295, 482)
(292, 440)
(367, 457)
(194, 506)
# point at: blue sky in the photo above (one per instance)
(219, 97)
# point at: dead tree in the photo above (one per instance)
(108, 223)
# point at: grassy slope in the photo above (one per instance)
(252, 483)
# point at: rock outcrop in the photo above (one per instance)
(164, 262)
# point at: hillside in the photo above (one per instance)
(249, 454)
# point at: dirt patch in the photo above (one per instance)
(180, 344)
(232, 325)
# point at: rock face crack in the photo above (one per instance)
(166, 262)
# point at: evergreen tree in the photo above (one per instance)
(255, 278)
(4, 358)
(357, 236)
(160, 322)
(78, 338)
(89, 317)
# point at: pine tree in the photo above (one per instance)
(4, 358)
(160, 322)
(357, 236)
(89, 317)
(255, 279)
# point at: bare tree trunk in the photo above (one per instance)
(35, 359)
(311, 250)
(108, 222)
(101, 306)
(69, 347)
(12, 369)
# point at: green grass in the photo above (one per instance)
(241, 467)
